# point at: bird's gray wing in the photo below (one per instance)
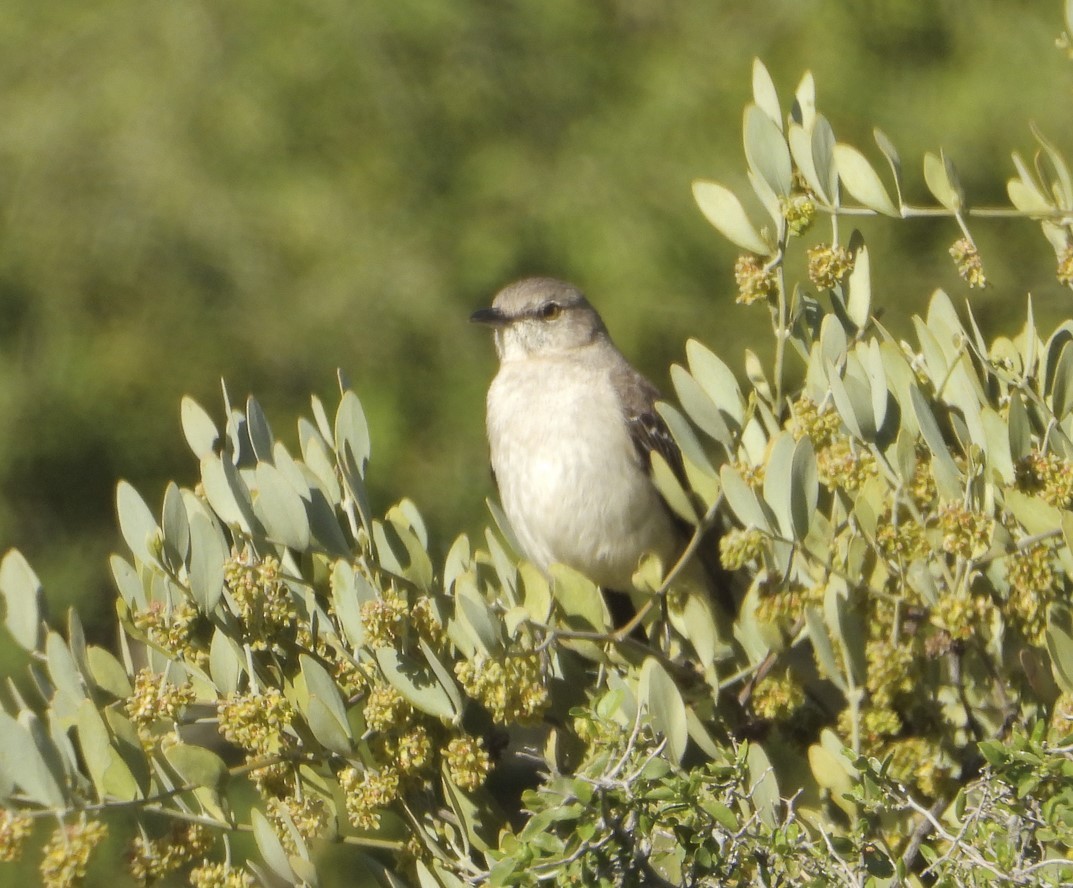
(647, 429)
(650, 434)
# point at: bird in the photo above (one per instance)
(572, 428)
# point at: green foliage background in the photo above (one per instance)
(194, 190)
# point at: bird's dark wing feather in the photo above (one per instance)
(650, 434)
(647, 429)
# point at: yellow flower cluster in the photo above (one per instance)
(785, 606)
(150, 860)
(1065, 268)
(172, 628)
(67, 853)
(367, 793)
(969, 264)
(922, 485)
(960, 614)
(220, 875)
(966, 534)
(264, 602)
(828, 264)
(738, 547)
(14, 830)
(777, 696)
(1049, 476)
(799, 211)
(155, 699)
(1031, 576)
(754, 281)
(510, 687)
(901, 542)
(467, 762)
(385, 709)
(256, 722)
(411, 752)
(424, 621)
(917, 761)
(891, 671)
(843, 465)
(806, 419)
(309, 814)
(383, 620)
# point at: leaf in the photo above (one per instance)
(804, 488)
(660, 696)
(346, 603)
(777, 481)
(886, 146)
(766, 151)
(717, 380)
(1062, 392)
(226, 665)
(821, 646)
(700, 408)
(23, 599)
(1033, 514)
(198, 428)
(862, 181)
(804, 109)
(1020, 427)
(62, 669)
(271, 849)
(208, 553)
(472, 611)
(107, 673)
(352, 445)
(942, 181)
(418, 684)
(280, 509)
(581, 602)
(1060, 645)
(823, 159)
(830, 774)
(764, 93)
(28, 758)
(947, 476)
(1061, 185)
(763, 787)
(853, 399)
(721, 208)
(742, 499)
(228, 494)
(859, 290)
(325, 711)
(259, 431)
(443, 676)
(136, 522)
(671, 489)
(173, 523)
(127, 582)
(109, 773)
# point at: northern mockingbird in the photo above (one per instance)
(571, 427)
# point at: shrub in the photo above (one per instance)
(891, 702)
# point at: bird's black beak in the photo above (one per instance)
(493, 317)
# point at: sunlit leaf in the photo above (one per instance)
(723, 210)
(862, 181)
(23, 599)
(661, 698)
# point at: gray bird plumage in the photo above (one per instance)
(571, 429)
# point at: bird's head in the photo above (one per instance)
(540, 316)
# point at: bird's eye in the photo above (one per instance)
(549, 311)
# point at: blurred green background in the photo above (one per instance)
(265, 192)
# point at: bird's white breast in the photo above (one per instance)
(570, 479)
